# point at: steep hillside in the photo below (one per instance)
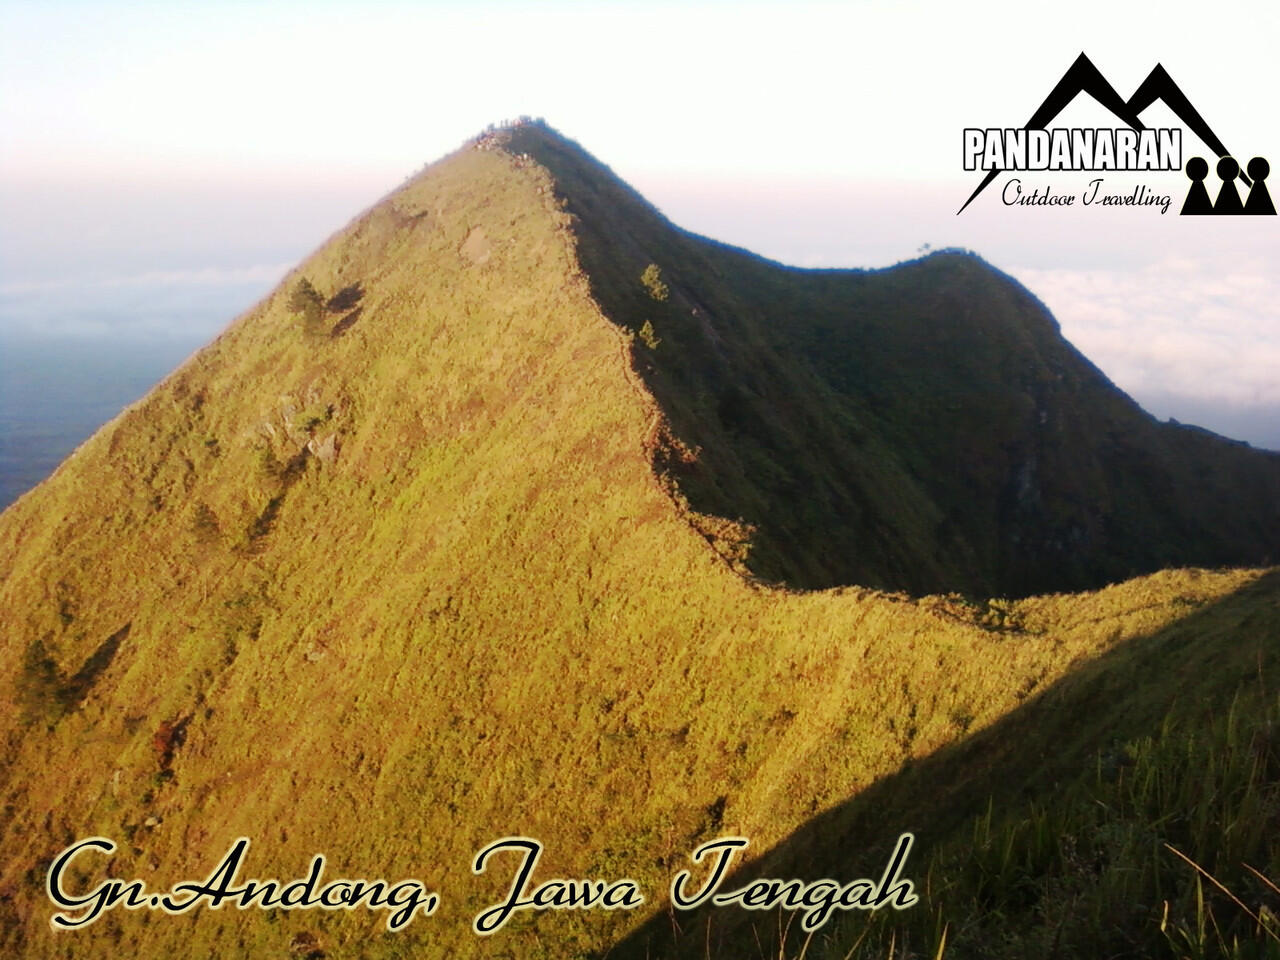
(924, 427)
(1128, 810)
(386, 572)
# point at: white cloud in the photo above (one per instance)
(1207, 329)
(188, 304)
(196, 277)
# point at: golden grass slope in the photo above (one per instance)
(414, 587)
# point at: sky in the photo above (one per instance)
(163, 165)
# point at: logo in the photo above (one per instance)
(1133, 147)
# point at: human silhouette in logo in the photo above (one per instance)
(1228, 201)
(1259, 200)
(1197, 201)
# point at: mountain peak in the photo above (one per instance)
(923, 427)
(502, 514)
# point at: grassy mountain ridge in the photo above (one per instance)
(388, 573)
(923, 427)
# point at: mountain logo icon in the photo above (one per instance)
(1134, 147)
